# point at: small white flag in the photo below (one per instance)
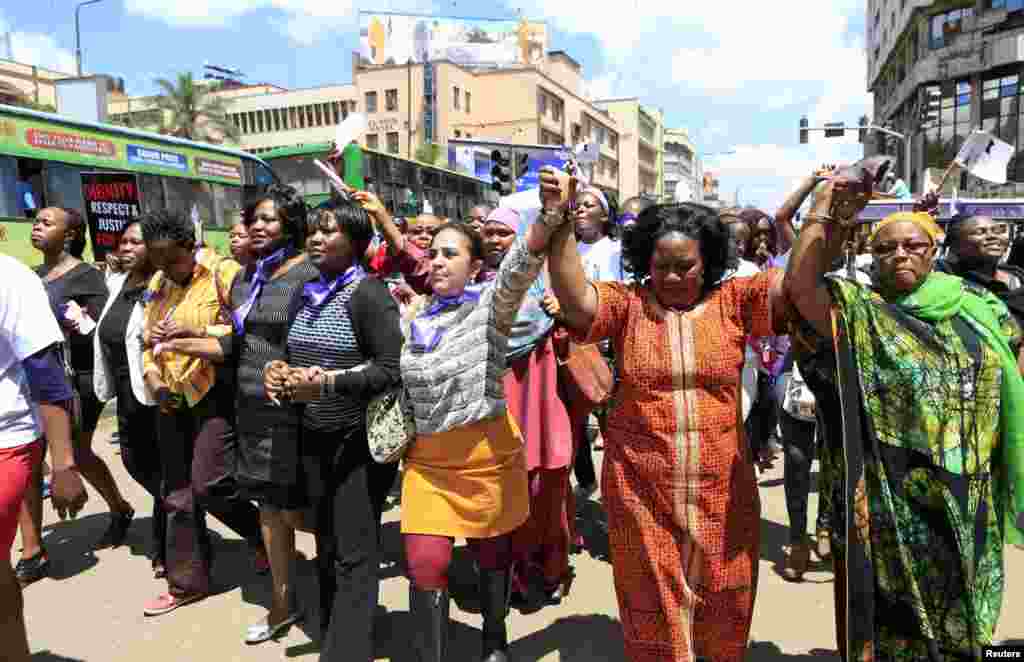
(985, 157)
(683, 192)
(350, 129)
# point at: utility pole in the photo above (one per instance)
(408, 124)
(78, 34)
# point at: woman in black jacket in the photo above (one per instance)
(343, 348)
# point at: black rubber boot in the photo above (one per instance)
(430, 619)
(495, 591)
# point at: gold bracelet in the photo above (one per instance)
(819, 217)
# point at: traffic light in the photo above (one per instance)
(803, 130)
(862, 132)
(930, 105)
(522, 164)
(834, 129)
(503, 178)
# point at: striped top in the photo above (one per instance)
(460, 381)
(266, 332)
(197, 305)
(325, 337)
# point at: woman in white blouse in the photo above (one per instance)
(117, 346)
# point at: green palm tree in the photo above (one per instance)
(193, 112)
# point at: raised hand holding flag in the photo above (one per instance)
(985, 157)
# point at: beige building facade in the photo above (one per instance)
(20, 82)
(641, 146)
(680, 164)
(534, 105)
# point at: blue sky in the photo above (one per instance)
(738, 75)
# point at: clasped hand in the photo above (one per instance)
(282, 382)
(167, 330)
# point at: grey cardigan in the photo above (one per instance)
(460, 382)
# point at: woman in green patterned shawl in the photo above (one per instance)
(930, 439)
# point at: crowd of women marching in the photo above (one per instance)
(700, 341)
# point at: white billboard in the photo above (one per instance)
(395, 39)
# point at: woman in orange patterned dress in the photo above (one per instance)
(678, 479)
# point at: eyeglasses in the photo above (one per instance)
(914, 247)
(1000, 230)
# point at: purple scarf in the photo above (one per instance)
(320, 290)
(427, 340)
(264, 267)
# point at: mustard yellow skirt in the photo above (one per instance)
(469, 482)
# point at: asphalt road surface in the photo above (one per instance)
(90, 609)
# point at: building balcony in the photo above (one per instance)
(648, 167)
(548, 123)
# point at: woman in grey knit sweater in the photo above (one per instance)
(465, 474)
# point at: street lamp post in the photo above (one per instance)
(78, 34)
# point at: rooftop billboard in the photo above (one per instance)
(386, 38)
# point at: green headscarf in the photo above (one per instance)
(941, 297)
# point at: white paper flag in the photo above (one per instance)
(350, 129)
(985, 157)
(683, 192)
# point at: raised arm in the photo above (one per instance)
(784, 216)
(820, 243)
(382, 219)
(576, 296)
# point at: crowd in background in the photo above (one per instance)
(702, 343)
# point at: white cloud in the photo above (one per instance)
(36, 48)
(302, 21)
(606, 86)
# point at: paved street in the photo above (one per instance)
(91, 607)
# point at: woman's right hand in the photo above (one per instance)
(553, 189)
(370, 202)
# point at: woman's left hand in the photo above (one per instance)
(305, 384)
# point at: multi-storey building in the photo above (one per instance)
(968, 55)
(407, 106)
(641, 146)
(680, 164)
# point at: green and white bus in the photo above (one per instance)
(402, 185)
(46, 155)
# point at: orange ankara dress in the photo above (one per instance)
(678, 481)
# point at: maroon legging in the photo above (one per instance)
(428, 558)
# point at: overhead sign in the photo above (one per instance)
(112, 203)
(55, 141)
(395, 39)
(139, 155)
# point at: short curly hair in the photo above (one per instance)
(690, 219)
(165, 224)
(291, 212)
